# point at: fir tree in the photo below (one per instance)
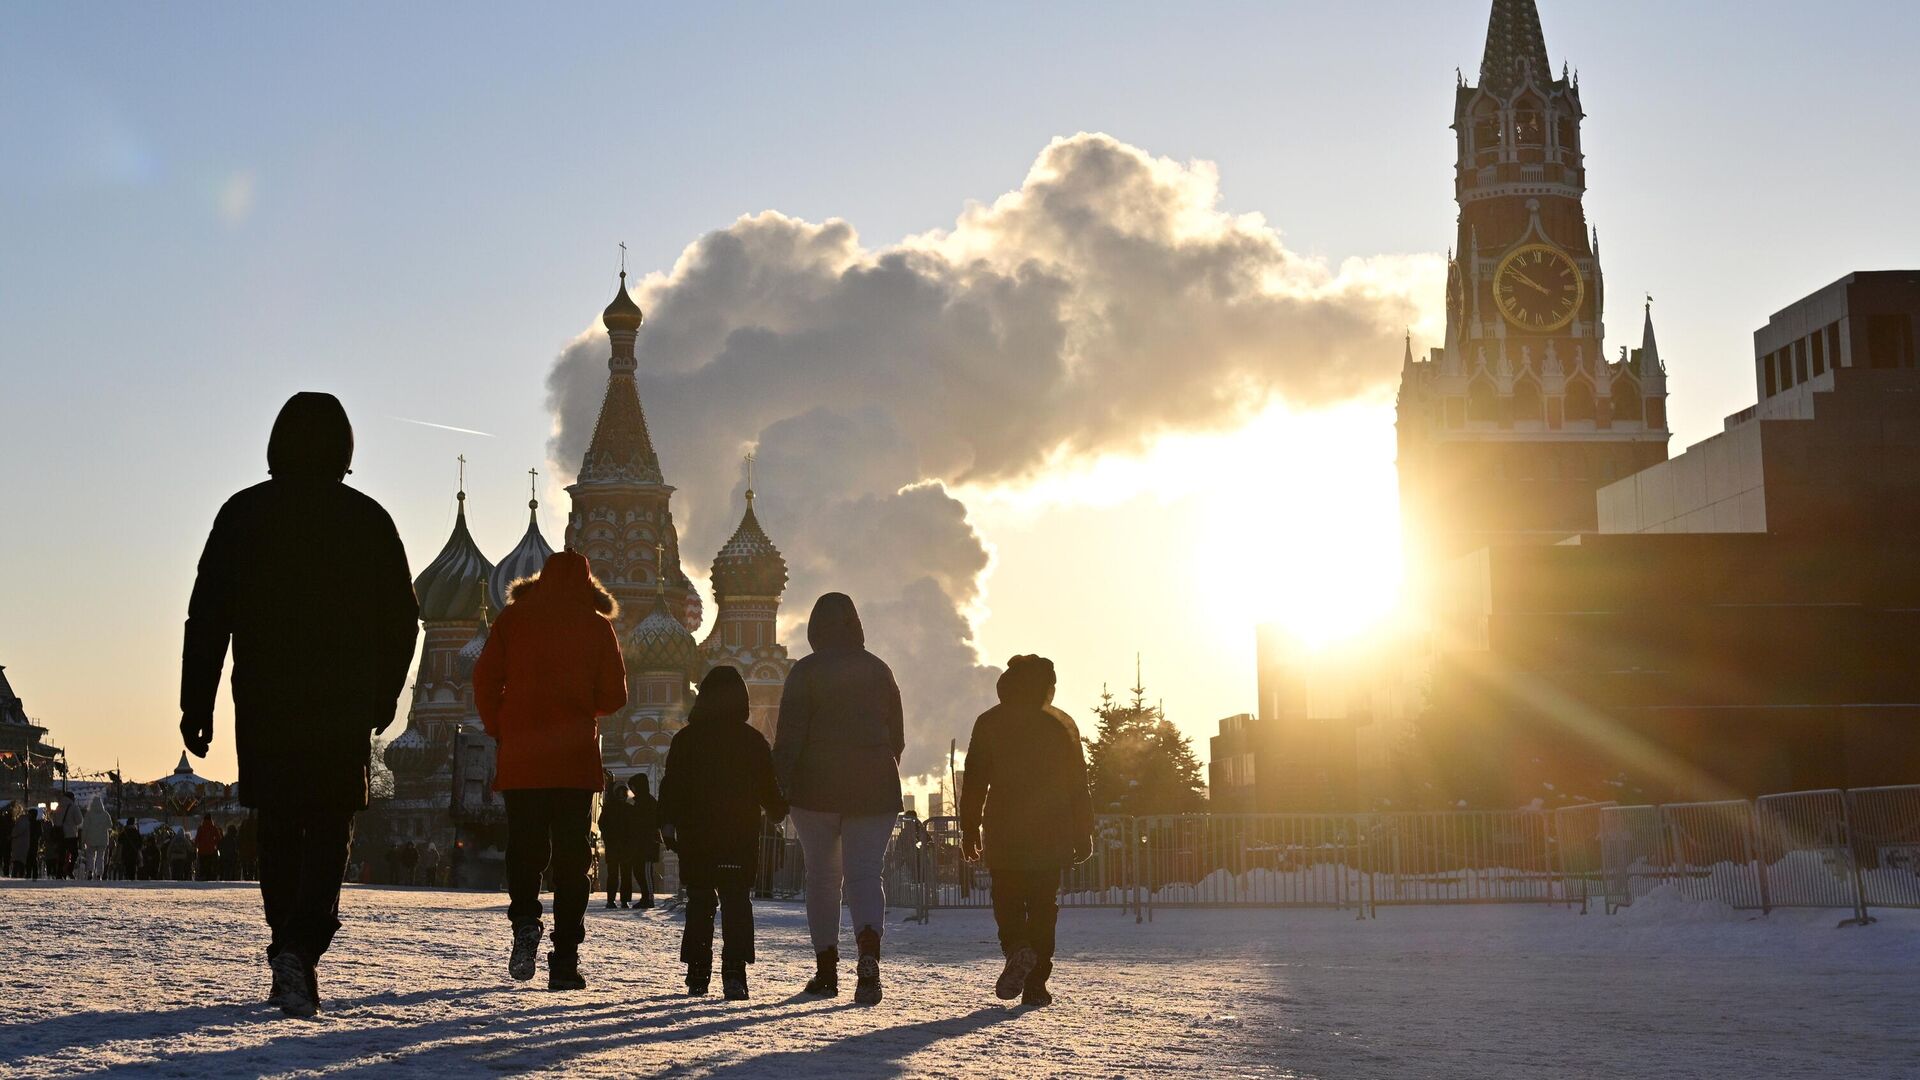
(1139, 763)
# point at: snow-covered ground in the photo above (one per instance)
(169, 980)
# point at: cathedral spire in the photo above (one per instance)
(621, 450)
(1649, 351)
(1515, 47)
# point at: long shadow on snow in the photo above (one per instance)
(486, 1040)
(874, 1053)
(53, 1033)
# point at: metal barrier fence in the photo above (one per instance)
(1886, 844)
(1852, 850)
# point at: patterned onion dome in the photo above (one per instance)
(408, 754)
(469, 654)
(453, 584)
(526, 559)
(749, 564)
(623, 313)
(661, 642)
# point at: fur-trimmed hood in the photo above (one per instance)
(566, 574)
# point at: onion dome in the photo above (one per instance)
(623, 314)
(407, 754)
(524, 561)
(661, 642)
(451, 588)
(748, 564)
(469, 654)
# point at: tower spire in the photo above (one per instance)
(1515, 47)
(1649, 349)
(533, 495)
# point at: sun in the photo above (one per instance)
(1300, 524)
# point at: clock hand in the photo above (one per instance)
(1539, 287)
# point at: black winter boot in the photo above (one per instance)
(526, 951)
(733, 981)
(826, 974)
(866, 987)
(563, 971)
(699, 977)
(1035, 993)
(1013, 977)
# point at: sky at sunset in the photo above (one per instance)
(1070, 329)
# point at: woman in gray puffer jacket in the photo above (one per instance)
(837, 752)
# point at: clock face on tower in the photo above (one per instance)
(1537, 287)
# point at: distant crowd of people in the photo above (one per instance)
(63, 841)
(551, 667)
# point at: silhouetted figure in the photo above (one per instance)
(837, 753)
(644, 836)
(1026, 788)
(550, 669)
(206, 846)
(719, 778)
(308, 580)
(616, 827)
(409, 862)
(430, 864)
(20, 842)
(180, 855)
(129, 844)
(97, 839)
(150, 855)
(246, 846)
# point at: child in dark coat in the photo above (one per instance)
(1026, 789)
(719, 777)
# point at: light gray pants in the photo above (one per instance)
(849, 849)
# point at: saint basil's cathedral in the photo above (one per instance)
(621, 520)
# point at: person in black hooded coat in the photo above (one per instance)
(307, 580)
(837, 750)
(718, 781)
(1026, 791)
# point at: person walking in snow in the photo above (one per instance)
(718, 781)
(430, 865)
(615, 820)
(551, 667)
(643, 836)
(307, 580)
(129, 851)
(180, 852)
(1026, 806)
(20, 842)
(72, 820)
(96, 838)
(409, 862)
(206, 845)
(837, 754)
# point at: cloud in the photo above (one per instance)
(1105, 302)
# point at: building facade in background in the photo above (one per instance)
(622, 521)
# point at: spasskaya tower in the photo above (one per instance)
(1507, 429)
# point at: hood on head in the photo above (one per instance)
(723, 697)
(1027, 681)
(566, 573)
(835, 624)
(637, 783)
(312, 439)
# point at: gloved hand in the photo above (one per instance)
(970, 845)
(670, 836)
(197, 731)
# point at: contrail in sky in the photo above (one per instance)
(442, 427)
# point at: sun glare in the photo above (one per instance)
(1299, 523)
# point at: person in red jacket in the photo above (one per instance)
(206, 844)
(550, 669)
